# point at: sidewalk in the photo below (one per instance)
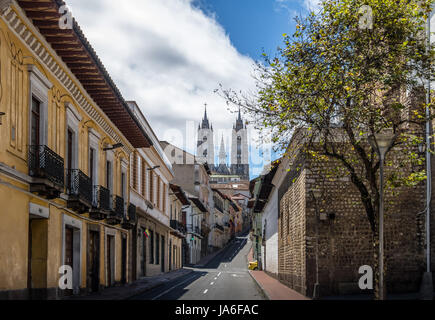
(135, 288)
(272, 288)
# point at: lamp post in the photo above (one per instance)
(317, 194)
(381, 142)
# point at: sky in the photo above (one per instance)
(170, 55)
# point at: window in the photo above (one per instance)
(123, 191)
(92, 164)
(135, 171)
(109, 182)
(159, 204)
(157, 248)
(151, 246)
(144, 176)
(151, 187)
(35, 127)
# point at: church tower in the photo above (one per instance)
(239, 149)
(205, 145)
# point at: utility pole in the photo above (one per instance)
(426, 290)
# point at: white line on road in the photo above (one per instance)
(219, 274)
(211, 283)
(215, 278)
(172, 288)
(205, 291)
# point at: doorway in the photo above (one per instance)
(110, 246)
(94, 261)
(124, 259)
(69, 252)
(163, 254)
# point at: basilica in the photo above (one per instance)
(239, 164)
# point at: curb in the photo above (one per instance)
(265, 294)
(139, 292)
(260, 286)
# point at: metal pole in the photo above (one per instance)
(381, 230)
(428, 164)
(426, 289)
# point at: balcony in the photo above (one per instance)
(101, 204)
(130, 220)
(47, 170)
(218, 227)
(117, 214)
(177, 225)
(79, 190)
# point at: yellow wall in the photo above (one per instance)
(14, 195)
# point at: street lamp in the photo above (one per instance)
(381, 142)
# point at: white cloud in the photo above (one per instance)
(168, 56)
(313, 5)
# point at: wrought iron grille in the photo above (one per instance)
(101, 198)
(177, 225)
(119, 206)
(218, 226)
(131, 212)
(79, 184)
(45, 163)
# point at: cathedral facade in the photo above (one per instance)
(239, 160)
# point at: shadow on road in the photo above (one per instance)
(171, 290)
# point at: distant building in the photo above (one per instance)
(239, 164)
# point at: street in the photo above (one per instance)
(225, 277)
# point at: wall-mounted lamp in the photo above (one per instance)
(1, 116)
(153, 168)
(115, 146)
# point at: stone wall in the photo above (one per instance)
(345, 237)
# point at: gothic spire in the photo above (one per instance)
(205, 122)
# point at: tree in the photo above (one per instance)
(339, 78)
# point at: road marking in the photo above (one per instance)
(219, 274)
(172, 288)
(211, 283)
(215, 278)
(205, 291)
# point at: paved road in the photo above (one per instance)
(225, 277)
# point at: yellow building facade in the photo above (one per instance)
(64, 164)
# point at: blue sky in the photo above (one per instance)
(171, 55)
(254, 25)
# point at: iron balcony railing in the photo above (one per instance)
(45, 163)
(131, 212)
(79, 185)
(218, 226)
(101, 199)
(177, 225)
(118, 206)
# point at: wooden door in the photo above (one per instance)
(109, 261)
(163, 254)
(69, 251)
(94, 262)
(124, 260)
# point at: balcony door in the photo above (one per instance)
(69, 252)
(35, 123)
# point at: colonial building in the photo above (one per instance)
(193, 178)
(151, 174)
(238, 169)
(178, 201)
(67, 135)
